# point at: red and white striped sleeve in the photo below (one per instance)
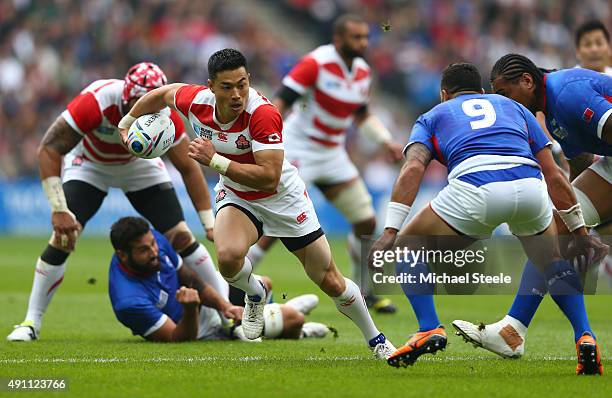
(303, 75)
(83, 113)
(184, 96)
(266, 128)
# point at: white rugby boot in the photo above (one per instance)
(381, 347)
(253, 316)
(25, 331)
(505, 338)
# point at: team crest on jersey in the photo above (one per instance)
(105, 130)
(587, 116)
(222, 137)
(220, 196)
(558, 131)
(242, 142)
(163, 299)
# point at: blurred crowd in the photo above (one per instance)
(50, 50)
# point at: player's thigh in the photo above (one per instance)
(427, 222)
(317, 260)
(159, 204)
(83, 199)
(353, 200)
(595, 184)
(542, 248)
(236, 229)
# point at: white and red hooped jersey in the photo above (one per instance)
(258, 127)
(330, 95)
(95, 113)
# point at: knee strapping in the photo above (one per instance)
(355, 203)
(180, 237)
(589, 212)
(273, 321)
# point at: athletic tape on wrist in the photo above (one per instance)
(207, 218)
(126, 121)
(396, 215)
(219, 163)
(572, 217)
(52, 186)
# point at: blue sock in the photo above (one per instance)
(420, 296)
(530, 294)
(566, 290)
(380, 339)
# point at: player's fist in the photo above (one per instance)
(233, 312)
(384, 243)
(188, 297)
(66, 229)
(201, 150)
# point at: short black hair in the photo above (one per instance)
(339, 26)
(226, 59)
(590, 26)
(126, 230)
(461, 76)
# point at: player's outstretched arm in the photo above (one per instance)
(372, 128)
(153, 101)
(194, 180)
(404, 192)
(59, 139)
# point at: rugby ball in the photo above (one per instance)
(150, 136)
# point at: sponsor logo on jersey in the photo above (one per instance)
(332, 85)
(242, 142)
(301, 217)
(222, 137)
(274, 137)
(588, 115)
(220, 196)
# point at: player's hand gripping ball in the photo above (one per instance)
(150, 136)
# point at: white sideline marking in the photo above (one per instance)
(256, 359)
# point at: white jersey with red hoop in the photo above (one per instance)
(95, 113)
(330, 95)
(258, 127)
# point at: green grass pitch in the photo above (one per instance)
(82, 341)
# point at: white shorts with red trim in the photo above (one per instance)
(476, 211)
(603, 168)
(318, 164)
(133, 176)
(288, 214)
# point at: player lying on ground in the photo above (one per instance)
(576, 103)
(86, 139)
(158, 298)
(496, 154)
(259, 192)
(325, 93)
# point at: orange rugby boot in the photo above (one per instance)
(428, 342)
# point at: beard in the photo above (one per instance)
(151, 266)
(351, 53)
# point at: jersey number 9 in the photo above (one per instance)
(479, 107)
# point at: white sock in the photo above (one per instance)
(201, 263)
(247, 281)
(352, 304)
(47, 278)
(255, 254)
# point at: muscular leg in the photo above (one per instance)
(171, 223)
(592, 192)
(562, 281)
(83, 200)
(319, 265)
